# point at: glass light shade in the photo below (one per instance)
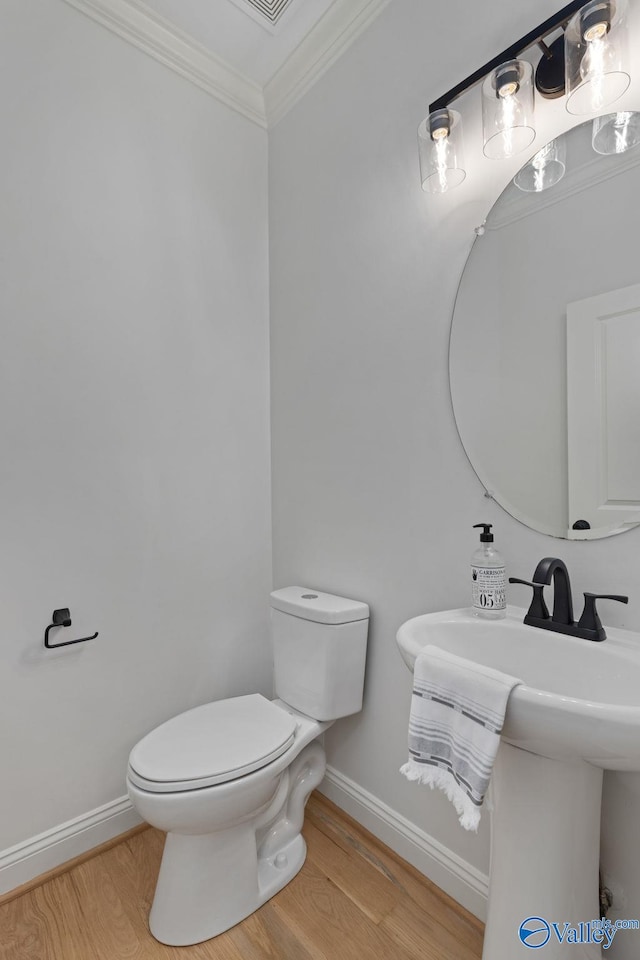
(545, 169)
(616, 132)
(596, 56)
(441, 151)
(507, 110)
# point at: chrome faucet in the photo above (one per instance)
(588, 627)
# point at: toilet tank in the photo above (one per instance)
(319, 650)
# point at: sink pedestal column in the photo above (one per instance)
(545, 852)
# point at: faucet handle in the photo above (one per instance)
(590, 623)
(538, 607)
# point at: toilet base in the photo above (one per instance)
(210, 882)
(273, 876)
(201, 910)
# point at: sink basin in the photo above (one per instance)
(578, 699)
(575, 714)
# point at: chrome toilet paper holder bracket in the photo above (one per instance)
(62, 618)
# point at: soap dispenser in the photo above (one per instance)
(488, 578)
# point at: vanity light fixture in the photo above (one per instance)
(586, 60)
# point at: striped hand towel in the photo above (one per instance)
(457, 714)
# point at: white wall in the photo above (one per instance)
(134, 393)
(373, 496)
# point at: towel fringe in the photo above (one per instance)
(468, 812)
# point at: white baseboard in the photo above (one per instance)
(42, 853)
(462, 881)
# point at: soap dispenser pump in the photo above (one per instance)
(488, 578)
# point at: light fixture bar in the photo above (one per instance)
(511, 53)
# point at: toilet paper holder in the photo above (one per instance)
(62, 618)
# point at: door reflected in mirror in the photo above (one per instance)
(545, 347)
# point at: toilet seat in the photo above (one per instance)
(211, 744)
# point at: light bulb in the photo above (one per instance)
(600, 58)
(442, 162)
(620, 130)
(539, 164)
(511, 118)
(440, 128)
(596, 32)
(507, 80)
(599, 61)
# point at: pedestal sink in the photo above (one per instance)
(576, 713)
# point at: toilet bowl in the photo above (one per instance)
(228, 781)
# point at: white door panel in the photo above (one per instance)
(603, 410)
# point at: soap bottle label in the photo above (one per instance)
(489, 588)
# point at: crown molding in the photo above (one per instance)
(336, 30)
(160, 39)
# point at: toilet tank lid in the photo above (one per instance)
(320, 607)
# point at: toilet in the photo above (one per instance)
(228, 781)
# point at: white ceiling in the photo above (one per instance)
(233, 31)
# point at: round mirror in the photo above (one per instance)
(545, 339)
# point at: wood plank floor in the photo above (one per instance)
(353, 899)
